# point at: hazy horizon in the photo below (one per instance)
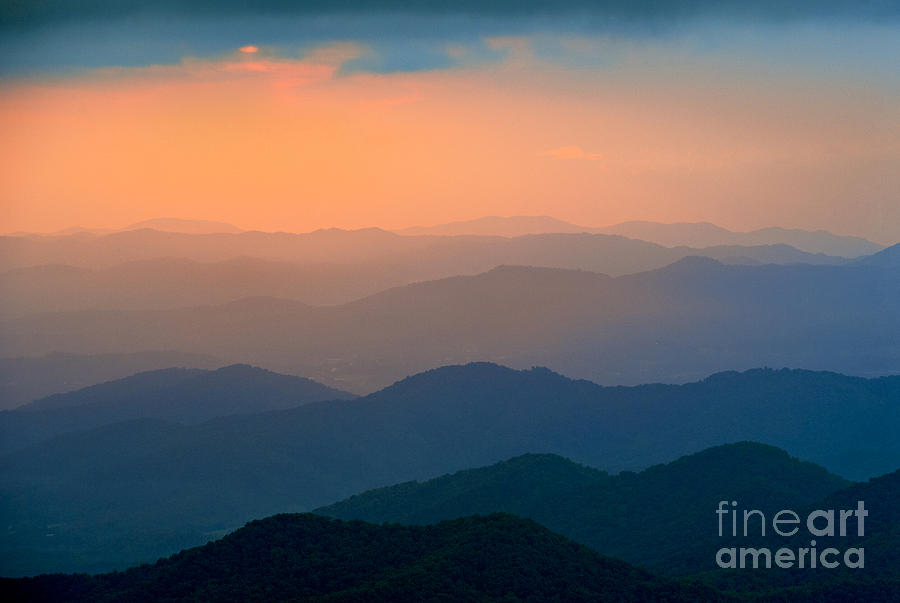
(146, 223)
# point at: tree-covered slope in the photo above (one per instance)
(307, 557)
(132, 491)
(660, 517)
(877, 536)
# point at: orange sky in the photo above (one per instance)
(292, 144)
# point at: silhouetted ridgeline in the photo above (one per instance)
(664, 517)
(497, 557)
(25, 379)
(311, 558)
(675, 324)
(136, 490)
(690, 234)
(619, 515)
(178, 395)
(602, 252)
(149, 270)
(887, 258)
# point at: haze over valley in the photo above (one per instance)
(385, 306)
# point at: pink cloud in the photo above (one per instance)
(245, 63)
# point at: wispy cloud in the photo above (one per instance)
(572, 152)
(256, 64)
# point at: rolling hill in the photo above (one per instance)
(132, 491)
(622, 516)
(888, 258)
(24, 379)
(617, 515)
(501, 556)
(878, 580)
(704, 234)
(311, 558)
(179, 395)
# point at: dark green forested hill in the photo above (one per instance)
(880, 541)
(662, 517)
(307, 557)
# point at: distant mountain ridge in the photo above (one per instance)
(167, 270)
(180, 395)
(888, 257)
(24, 379)
(373, 247)
(171, 282)
(498, 226)
(705, 234)
(185, 226)
(688, 234)
(162, 224)
(674, 324)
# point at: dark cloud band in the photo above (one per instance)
(30, 13)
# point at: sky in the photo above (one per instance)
(295, 116)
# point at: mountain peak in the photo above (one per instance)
(501, 226)
(181, 395)
(691, 264)
(889, 257)
(242, 369)
(183, 226)
(478, 378)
